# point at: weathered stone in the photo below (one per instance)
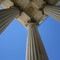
(35, 49)
(7, 16)
(53, 11)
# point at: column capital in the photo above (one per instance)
(32, 25)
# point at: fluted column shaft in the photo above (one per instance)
(7, 16)
(53, 11)
(35, 49)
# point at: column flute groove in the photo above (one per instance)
(35, 49)
(7, 16)
(53, 11)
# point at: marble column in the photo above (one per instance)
(7, 16)
(53, 11)
(35, 49)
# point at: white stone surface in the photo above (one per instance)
(53, 11)
(6, 17)
(35, 49)
(21, 3)
(39, 3)
(33, 11)
(23, 18)
(6, 4)
(30, 9)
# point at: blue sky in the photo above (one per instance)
(13, 40)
